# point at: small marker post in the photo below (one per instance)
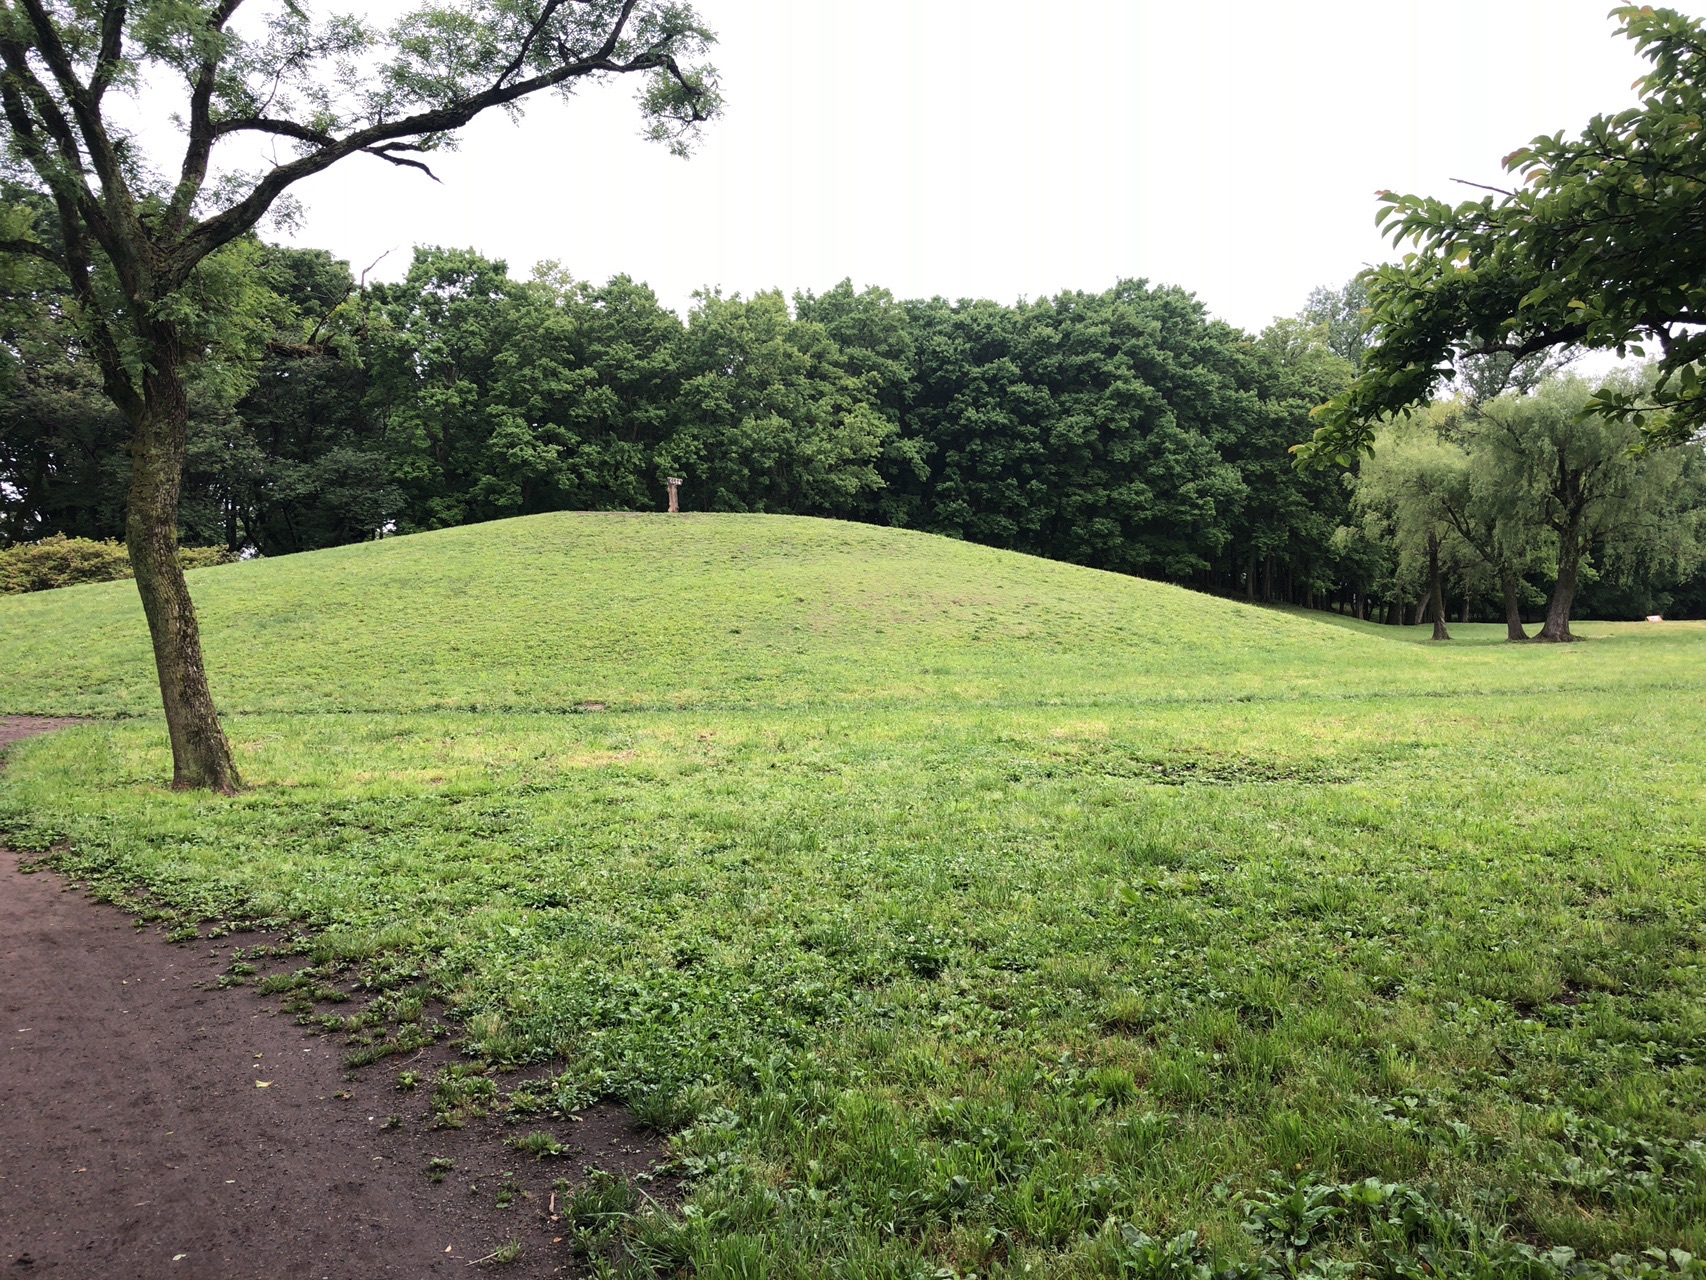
(674, 483)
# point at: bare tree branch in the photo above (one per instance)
(83, 107)
(1482, 186)
(193, 172)
(57, 124)
(31, 94)
(80, 215)
(545, 14)
(34, 249)
(1546, 339)
(389, 153)
(112, 49)
(268, 124)
(241, 217)
(31, 111)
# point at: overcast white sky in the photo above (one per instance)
(1000, 149)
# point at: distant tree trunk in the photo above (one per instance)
(1250, 580)
(1466, 603)
(1268, 580)
(1421, 611)
(1513, 607)
(1557, 625)
(201, 756)
(1436, 593)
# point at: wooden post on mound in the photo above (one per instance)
(674, 483)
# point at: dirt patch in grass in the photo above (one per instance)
(156, 1125)
(17, 728)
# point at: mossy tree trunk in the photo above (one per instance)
(201, 754)
(1513, 608)
(1436, 591)
(1557, 625)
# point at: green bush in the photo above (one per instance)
(203, 557)
(63, 562)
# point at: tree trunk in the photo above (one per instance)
(1467, 602)
(1250, 580)
(201, 756)
(1436, 593)
(1421, 611)
(1557, 625)
(1513, 608)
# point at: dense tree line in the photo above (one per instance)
(1126, 430)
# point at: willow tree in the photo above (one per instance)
(1402, 492)
(1587, 490)
(138, 235)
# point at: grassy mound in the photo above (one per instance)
(959, 913)
(552, 612)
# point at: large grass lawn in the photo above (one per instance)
(958, 912)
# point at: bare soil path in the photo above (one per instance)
(152, 1125)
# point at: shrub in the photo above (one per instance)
(63, 562)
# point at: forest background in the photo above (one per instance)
(1126, 430)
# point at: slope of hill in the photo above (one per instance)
(553, 612)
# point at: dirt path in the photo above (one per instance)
(152, 1125)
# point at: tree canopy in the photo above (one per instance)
(1599, 244)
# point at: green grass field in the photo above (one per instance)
(958, 913)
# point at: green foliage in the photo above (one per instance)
(1343, 318)
(63, 562)
(1593, 247)
(1598, 502)
(1122, 430)
(767, 418)
(1290, 518)
(1083, 427)
(1404, 493)
(538, 1144)
(507, 398)
(963, 910)
(282, 456)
